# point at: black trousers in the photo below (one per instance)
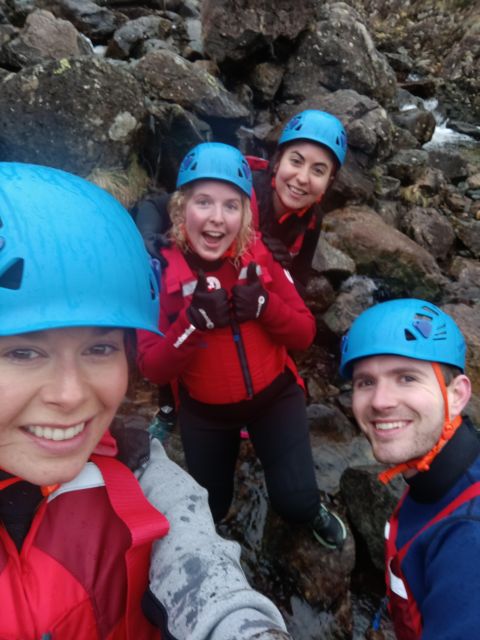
(278, 430)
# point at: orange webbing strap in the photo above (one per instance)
(449, 427)
(471, 492)
(8, 482)
(145, 523)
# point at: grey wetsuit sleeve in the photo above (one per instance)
(196, 581)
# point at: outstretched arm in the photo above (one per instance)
(197, 587)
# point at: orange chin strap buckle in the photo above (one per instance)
(449, 427)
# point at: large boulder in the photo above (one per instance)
(44, 37)
(76, 114)
(88, 17)
(383, 253)
(167, 76)
(238, 31)
(337, 52)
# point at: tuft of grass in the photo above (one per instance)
(126, 185)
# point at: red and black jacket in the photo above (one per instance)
(207, 363)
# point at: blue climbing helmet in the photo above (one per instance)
(70, 255)
(408, 327)
(317, 126)
(216, 161)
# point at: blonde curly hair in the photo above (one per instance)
(176, 209)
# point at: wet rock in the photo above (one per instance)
(352, 184)
(239, 32)
(419, 122)
(7, 33)
(327, 420)
(430, 229)
(467, 129)
(167, 76)
(332, 457)
(405, 100)
(382, 252)
(469, 233)
(320, 293)
(460, 66)
(451, 163)
(390, 212)
(369, 505)
(468, 319)
(473, 181)
(319, 576)
(44, 37)
(455, 201)
(55, 114)
(369, 129)
(466, 273)
(408, 165)
(356, 295)
(387, 186)
(171, 132)
(338, 53)
(421, 87)
(136, 32)
(332, 261)
(265, 80)
(94, 21)
(400, 61)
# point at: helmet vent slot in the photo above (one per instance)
(12, 276)
(153, 294)
(409, 336)
(1, 223)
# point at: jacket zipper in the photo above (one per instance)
(242, 356)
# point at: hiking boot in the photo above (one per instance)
(328, 529)
(163, 423)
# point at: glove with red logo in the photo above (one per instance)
(250, 299)
(208, 309)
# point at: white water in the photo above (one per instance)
(443, 136)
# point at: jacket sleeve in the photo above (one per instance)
(197, 587)
(286, 316)
(161, 359)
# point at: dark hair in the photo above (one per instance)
(450, 372)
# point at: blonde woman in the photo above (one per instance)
(230, 313)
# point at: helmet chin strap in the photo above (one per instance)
(449, 427)
(293, 212)
(46, 490)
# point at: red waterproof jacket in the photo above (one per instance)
(207, 363)
(83, 567)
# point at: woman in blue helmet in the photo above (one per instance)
(406, 359)
(285, 203)
(287, 192)
(77, 526)
(229, 314)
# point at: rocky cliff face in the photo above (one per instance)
(118, 91)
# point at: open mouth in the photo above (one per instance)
(213, 236)
(58, 434)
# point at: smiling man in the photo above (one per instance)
(406, 359)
